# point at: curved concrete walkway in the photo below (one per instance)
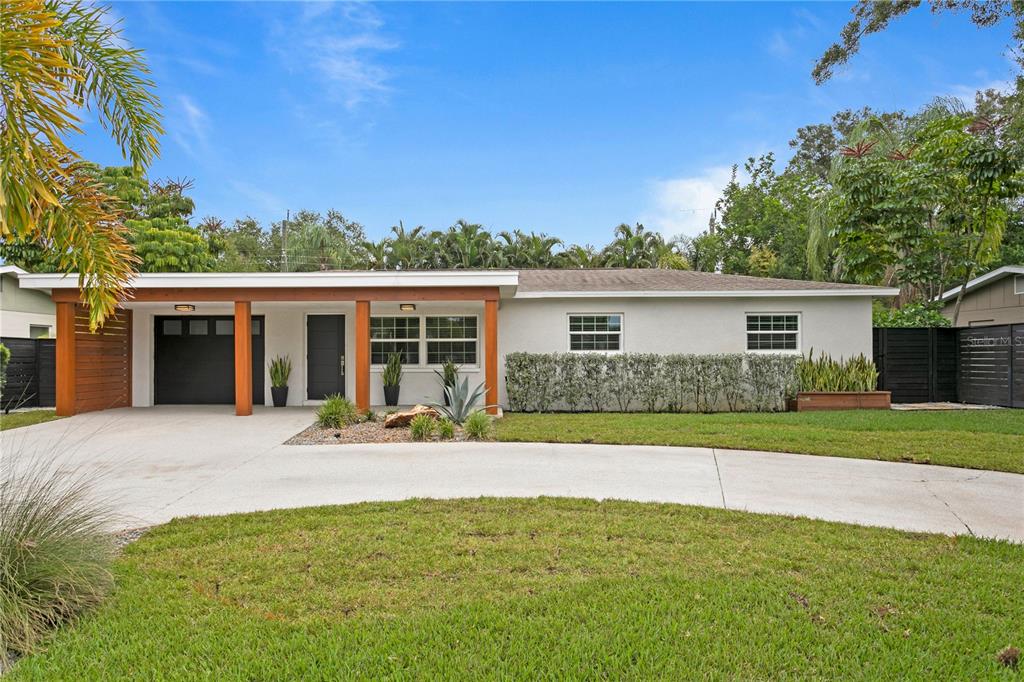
(158, 463)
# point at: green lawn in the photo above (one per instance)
(18, 419)
(550, 589)
(976, 439)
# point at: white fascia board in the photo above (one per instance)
(264, 280)
(12, 270)
(987, 277)
(880, 292)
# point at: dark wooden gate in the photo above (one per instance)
(917, 365)
(992, 365)
(31, 374)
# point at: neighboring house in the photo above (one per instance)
(994, 298)
(24, 313)
(175, 340)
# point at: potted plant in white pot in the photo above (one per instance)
(280, 370)
(392, 379)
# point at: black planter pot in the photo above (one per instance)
(280, 395)
(391, 395)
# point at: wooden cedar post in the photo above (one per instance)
(65, 360)
(491, 353)
(363, 355)
(243, 358)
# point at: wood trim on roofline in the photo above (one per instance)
(257, 294)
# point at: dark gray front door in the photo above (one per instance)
(325, 356)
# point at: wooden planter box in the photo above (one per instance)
(870, 400)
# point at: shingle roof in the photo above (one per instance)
(635, 280)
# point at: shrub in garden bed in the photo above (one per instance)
(623, 382)
(336, 412)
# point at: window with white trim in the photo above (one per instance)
(595, 332)
(395, 335)
(773, 331)
(451, 338)
(1018, 285)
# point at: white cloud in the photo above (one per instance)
(683, 206)
(965, 93)
(190, 129)
(779, 46)
(342, 43)
(268, 201)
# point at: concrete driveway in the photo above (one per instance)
(158, 463)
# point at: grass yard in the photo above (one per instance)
(15, 420)
(550, 588)
(976, 439)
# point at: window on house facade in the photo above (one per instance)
(773, 331)
(38, 331)
(452, 337)
(395, 335)
(595, 332)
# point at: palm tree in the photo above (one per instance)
(59, 58)
(471, 246)
(532, 250)
(633, 248)
(579, 257)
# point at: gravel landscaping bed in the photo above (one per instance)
(363, 432)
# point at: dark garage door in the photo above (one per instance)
(195, 360)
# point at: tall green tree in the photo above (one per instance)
(923, 210)
(874, 16)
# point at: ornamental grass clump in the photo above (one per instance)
(445, 429)
(826, 375)
(422, 427)
(55, 552)
(478, 426)
(337, 412)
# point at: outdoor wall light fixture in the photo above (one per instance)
(184, 307)
(407, 307)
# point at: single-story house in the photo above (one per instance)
(24, 313)
(177, 340)
(995, 298)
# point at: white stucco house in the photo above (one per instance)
(176, 337)
(24, 313)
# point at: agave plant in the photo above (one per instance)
(461, 401)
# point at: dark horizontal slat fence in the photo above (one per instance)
(917, 365)
(31, 374)
(992, 364)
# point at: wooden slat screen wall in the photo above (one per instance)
(103, 362)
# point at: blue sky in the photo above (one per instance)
(562, 118)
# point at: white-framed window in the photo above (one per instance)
(1018, 285)
(595, 332)
(451, 338)
(394, 334)
(425, 340)
(773, 332)
(38, 331)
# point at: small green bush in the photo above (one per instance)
(478, 426)
(55, 553)
(370, 416)
(446, 429)
(336, 412)
(422, 427)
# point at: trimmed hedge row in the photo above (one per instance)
(624, 382)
